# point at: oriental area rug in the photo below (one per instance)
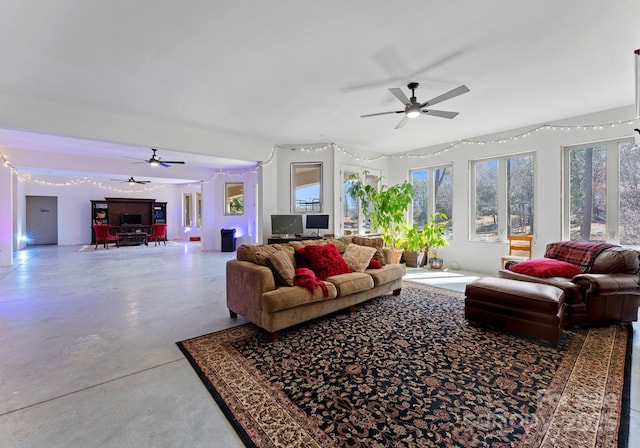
(409, 371)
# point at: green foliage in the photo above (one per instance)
(236, 206)
(413, 238)
(385, 205)
(433, 233)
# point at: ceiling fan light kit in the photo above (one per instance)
(156, 160)
(413, 109)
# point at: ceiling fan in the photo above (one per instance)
(412, 108)
(155, 160)
(132, 181)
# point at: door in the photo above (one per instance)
(42, 220)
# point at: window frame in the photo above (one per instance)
(431, 197)
(313, 207)
(228, 197)
(612, 185)
(503, 212)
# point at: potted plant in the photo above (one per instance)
(434, 231)
(415, 244)
(385, 205)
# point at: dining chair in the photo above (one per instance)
(521, 244)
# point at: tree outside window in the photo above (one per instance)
(503, 197)
(433, 193)
(602, 192)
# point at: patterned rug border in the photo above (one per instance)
(552, 427)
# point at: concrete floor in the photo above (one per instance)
(88, 354)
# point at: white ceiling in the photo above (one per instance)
(294, 72)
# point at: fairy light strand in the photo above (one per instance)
(330, 146)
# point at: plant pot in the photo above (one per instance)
(396, 255)
(436, 263)
(413, 259)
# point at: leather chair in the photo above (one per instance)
(608, 293)
(159, 234)
(103, 235)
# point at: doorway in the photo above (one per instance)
(42, 220)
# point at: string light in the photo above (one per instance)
(448, 147)
(332, 146)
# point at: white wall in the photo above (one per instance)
(74, 206)
(547, 145)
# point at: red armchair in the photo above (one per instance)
(159, 234)
(104, 236)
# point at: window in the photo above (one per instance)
(351, 222)
(503, 192)
(198, 209)
(187, 210)
(433, 193)
(306, 187)
(233, 198)
(602, 192)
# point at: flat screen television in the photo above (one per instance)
(317, 222)
(130, 219)
(286, 225)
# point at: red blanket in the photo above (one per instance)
(579, 253)
(305, 278)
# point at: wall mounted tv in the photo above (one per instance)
(286, 225)
(317, 222)
(130, 219)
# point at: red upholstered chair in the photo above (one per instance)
(103, 236)
(159, 234)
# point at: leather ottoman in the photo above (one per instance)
(532, 309)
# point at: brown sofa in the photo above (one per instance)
(254, 292)
(607, 293)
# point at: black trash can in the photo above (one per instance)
(228, 240)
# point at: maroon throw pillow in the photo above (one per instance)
(325, 261)
(545, 268)
(374, 264)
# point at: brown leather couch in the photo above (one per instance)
(608, 293)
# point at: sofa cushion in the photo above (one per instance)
(387, 274)
(616, 260)
(358, 257)
(545, 268)
(282, 267)
(247, 252)
(324, 260)
(351, 283)
(378, 243)
(286, 297)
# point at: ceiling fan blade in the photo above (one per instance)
(402, 122)
(440, 113)
(398, 93)
(133, 158)
(142, 181)
(164, 164)
(383, 113)
(445, 96)
(167, 161)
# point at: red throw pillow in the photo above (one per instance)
(325, 261)
(545, 268)
(374, 264)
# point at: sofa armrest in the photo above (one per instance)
(246, 282)
(608, 284)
